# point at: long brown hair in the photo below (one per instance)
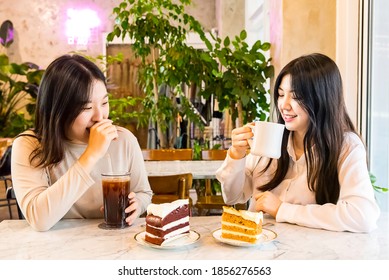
(317, 85)
(64, 91)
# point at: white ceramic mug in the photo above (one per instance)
(267, 139)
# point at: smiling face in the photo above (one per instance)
(94, 111)
(295, 116)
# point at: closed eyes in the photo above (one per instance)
(90, 107)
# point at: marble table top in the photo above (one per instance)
(83, 239)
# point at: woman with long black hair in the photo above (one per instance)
(321, 179)
(57, 166)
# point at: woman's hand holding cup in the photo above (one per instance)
(239, 138)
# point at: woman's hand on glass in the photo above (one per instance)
(133, 209)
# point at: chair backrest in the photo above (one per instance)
(213, 154)
(167, 154)
(5, 177)
(5, 162)
(168, 188)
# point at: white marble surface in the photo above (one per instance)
(200, 169)
(82, 239)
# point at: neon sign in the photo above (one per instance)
(79, 25)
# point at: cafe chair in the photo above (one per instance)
(213, 154)
(5, 179)
(169, 188)
(167, 154)
(6, 202)
(209, 201)
(212, 201)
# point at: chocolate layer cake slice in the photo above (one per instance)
(166, 222)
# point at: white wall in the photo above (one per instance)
(347, 54)
(40, 26)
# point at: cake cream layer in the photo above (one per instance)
(255, 217)
(171, 234)
(172, 224)
(239, 234)
(176, 214)
(241, 228)
(239, 221)
(164, 209)
(158, 231)
(249, 239)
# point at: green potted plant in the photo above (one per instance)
(18, 89)
(158, 30)
(126, 111)
(240, 84)
(232, 72)
(377, 188)
(123, 110)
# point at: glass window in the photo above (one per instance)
(378, 123)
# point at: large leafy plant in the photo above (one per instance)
(232, 72)
(18, 89)
(158, 29)
(240, 84)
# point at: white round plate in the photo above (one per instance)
(266, 236)
(182, 241)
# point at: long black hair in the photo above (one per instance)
(317, 85)
(64, 91)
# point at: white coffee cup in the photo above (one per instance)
(267, 139)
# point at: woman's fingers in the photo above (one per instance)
(105, 128)
(132, 209)
(267, 202)
(239, 145)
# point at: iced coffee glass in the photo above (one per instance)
(116, 187)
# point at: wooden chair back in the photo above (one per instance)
(169, 188)
(213, 154)
(167, 154)
(210, 201)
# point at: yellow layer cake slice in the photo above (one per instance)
(241, 225)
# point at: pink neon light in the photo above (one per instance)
(79, 25)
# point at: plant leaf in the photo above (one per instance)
(243, 35)
(6, 33)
